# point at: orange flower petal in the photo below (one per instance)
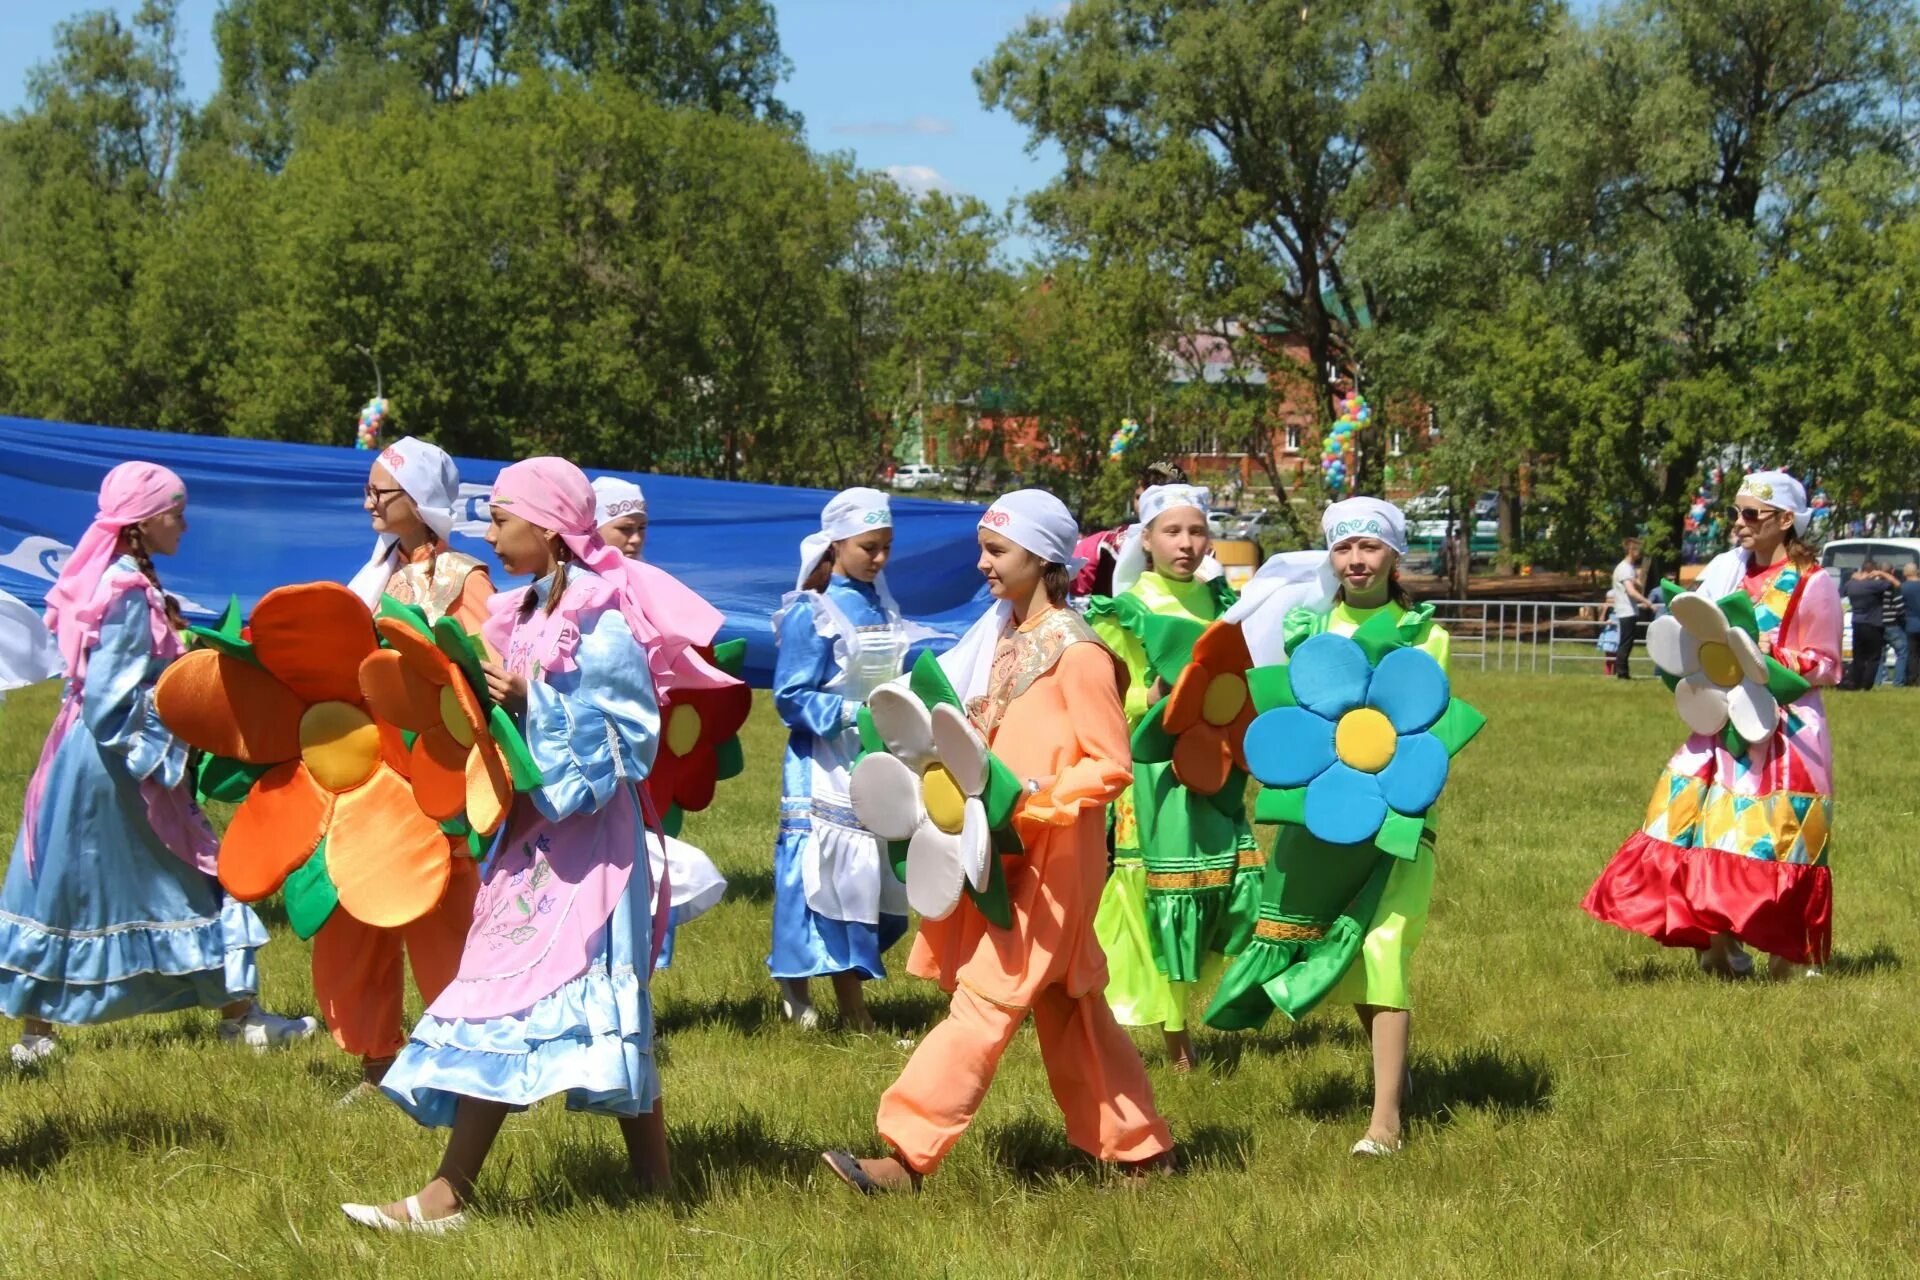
(489, 790)
(1222, 647)
(275, 830)
(1237, 736)
(231, 708)
(1201, 759)
(388, 860)
(439, 767)
(469, 706)
(422, 658)
(1188, 701)
(397, 692)
(313, 637)
(393, 748)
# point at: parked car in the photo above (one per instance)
(1842, 556)
(918, 475)
(1221, 525)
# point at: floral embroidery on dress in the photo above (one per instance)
(529, 894)
(1020, 658)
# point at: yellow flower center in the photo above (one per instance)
(1719, 664)
(683, 729)
(452, 718)
(1364, 739)
(946, 803)
(339, 745)
(1226, 698)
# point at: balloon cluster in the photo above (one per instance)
(373, 415)
(1336, 456)
(1122, 439)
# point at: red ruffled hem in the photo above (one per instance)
(1684, 897)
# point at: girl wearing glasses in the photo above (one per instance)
(1734, 850)
(412, 493)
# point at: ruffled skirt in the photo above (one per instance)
(1683, 897)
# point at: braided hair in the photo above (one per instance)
(136, 545)
(562, 558)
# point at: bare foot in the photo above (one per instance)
(1180, 1051)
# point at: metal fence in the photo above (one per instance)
(1527, 635)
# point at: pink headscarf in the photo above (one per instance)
(132, 492)
(664, 614)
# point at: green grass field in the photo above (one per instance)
(1585, 1103)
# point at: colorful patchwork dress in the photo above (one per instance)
(1308, 946)
(1185, 887)
(551, 995)
(1738, 843)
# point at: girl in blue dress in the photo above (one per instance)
(110, 906)
(837, 906)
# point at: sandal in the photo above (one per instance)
(851, 1170)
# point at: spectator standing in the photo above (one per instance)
(1627, 599)
(1908, 673)
(1896, 637)
(1867, 592)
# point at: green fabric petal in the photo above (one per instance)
(452, 639)
(1457, 726)
(1380, 635)
(224, 636)
(310, 895)
(672, 820)
(1271, 687)
(1281, 804)
(731, 657)
(930, 684)
(513, 749)
(1001, 793)
(1667, 678)
(456, 826)
(730, 759)
(1152, 744)
(1735, 744)
(226, 780)
(870, 740)
(1738, 609)
(413, 615)
(897, 855)
(1784, 683)
(1400, 835)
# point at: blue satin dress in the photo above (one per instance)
(806, 944)
(593, 732)
(110, 922)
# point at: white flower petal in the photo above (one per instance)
(976, 845)
(1752, 710)
(902, 722)
(934, 875)
(886, 797)
(1667, 645)
(1747, 654)
(961, 748)
(1699, 615)
(1701, 703)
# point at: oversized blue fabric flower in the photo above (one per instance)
(1355, 735)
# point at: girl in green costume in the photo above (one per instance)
(1341, 921)
(1185, 888)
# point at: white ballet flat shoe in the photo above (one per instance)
(1368, 1147)
(32, 1050)
(371, 1215)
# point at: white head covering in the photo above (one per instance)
(1780, 491)
(848, 514)
(1036, 520)
(1365, 518)
(433, 482)
(615, 499)
(1154, 503)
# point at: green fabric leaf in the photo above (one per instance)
(993, 902)
(1414, 623)
(476, 846)
(1784, 683)
(731, 657)
(1271, 687)
(870, 740)
(930, 684)
(1168, 640)
(1668, 679)
(1400, 835)
(1381, 634)
(1281, 804)
(897, 855)
(457, 826)
(672, 820)
(730, 759)
(310, 895)
(226, 780)
(1735, 744)
(1457, 726)
(452, 639)
(1152, 744)
(413, 615)
(1224, 596)
(1739, 612)
(1001, 794)
(513, 749)
(1669, 589)
(224, 636)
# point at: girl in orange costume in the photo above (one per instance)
(358, 974)
(1045, 693)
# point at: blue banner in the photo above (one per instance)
(262, 514)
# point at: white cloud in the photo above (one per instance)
(920, 126)
(919, 179)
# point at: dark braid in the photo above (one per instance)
(531, 601)
(137, 548)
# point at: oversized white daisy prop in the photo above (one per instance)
(932, 790)
(1722, 683)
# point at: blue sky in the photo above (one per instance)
(887, 80)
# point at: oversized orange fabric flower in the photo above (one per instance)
(1208, 712)
(455, 764)
(335, 792)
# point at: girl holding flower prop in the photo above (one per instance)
(1355, 730)
(110, 907)
(551, 993)
(1185, 886)
(837, 905)
(1734, 847)
(1044, 695)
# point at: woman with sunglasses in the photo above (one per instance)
(1734, 848)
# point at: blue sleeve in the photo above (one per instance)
(117, 701)
(805, 662)
(595, 727)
